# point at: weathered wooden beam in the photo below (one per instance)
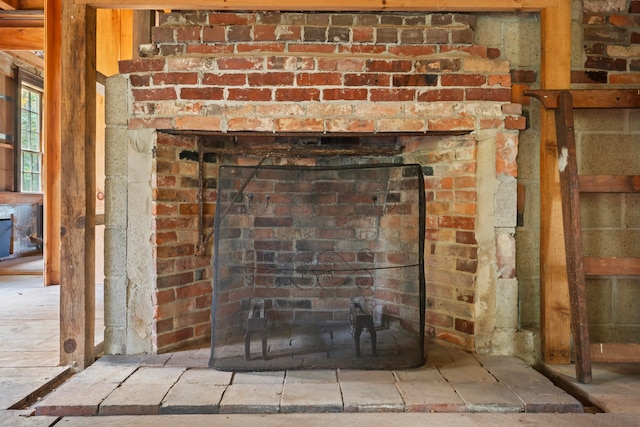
(609, 183)
(569, 189)
(555, 73)
(610, 266)
(52, 143)
(332, 5)
(613, 352)
(18, 38)
(591, 98)
(78, 126)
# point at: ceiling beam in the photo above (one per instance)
(14, 38)
(330, 5)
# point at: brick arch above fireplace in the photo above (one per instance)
(313, 73)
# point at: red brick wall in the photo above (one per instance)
(312, 73)
(312, 239)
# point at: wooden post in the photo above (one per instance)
(555, 73)
(52, 143)
(78, 121)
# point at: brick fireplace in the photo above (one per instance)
(219, 89)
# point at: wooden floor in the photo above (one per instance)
(29, 266)
(29, 330)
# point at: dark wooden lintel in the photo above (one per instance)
(590, 98)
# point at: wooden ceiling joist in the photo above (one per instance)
(331, 5)
(21, 18)
(14, 38)
(22, 4)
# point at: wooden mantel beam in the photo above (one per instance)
(332, 5)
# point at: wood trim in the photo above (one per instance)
(8, 198)
(555, 73)
(332, 5)
(613, 352)
(609, 183)
(14, 38)
(610, 266)
(78, 178)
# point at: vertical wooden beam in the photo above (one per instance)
(78, 121)
(52, 142)
(555, 73)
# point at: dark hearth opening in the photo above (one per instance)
(319, 266)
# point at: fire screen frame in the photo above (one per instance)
(322, 270)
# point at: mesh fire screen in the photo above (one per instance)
(319, 267)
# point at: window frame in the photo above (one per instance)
(35, 83)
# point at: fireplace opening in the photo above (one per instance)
(319, 266)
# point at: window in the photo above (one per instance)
(30, 134)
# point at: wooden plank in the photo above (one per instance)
(78, 121)
(609, 183)
(331, 5)
(555, 73)
(611, 266)
(591, 98)
(13, 38)
(614, 352)
(568, 167)
(52, 143)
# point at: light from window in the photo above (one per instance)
(31, 140)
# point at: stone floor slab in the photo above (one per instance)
(424, 374)
(192, 398)
(311, 397)
(311, 376)
(142, 393)
(266, 377)
(437, 396)
(251, 399)
(75, 399)
(371, 397)
(366, 376)
(466, 374)
(488, 397)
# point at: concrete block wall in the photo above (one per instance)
(604, 52)
(608, 143)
